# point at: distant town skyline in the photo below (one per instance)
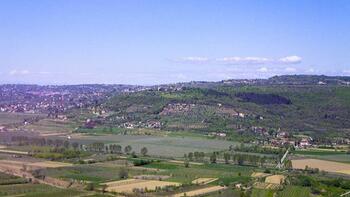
(156, 42)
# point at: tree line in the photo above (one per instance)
(71, 149)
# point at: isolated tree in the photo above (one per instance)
(127, 149)
(262, 161)
(100, 146)
(144, 151)
(118, 148)
(75, 145)
(123, 173)
(111, 148)
(213, 158)
(196, 156)
(39, 173)
(186, 163)
(133, 154)
(66, 144)
(288, 164)
(240, 160)
(58, 142)
(227, 158)
(202, 155)
(24, 168)
(104, 188)
(230, 148)
(90, 187)
(49, 142)
(190, 156)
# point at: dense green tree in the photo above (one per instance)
(227, 158)
(123, 173)
(144, 151)
(75, 145)
(190, 156)
(127, 149)
(186, 163)
(213, 158)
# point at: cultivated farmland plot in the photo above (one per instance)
(204, 181)
(259, 175)
(18, 165)
(328, 166)
(201, 191)
(129, 185)
(275, 179)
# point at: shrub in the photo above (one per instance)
(141, 162)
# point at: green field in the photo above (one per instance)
(159, 146)
(15, 186)
(312, 108)
(96, 173)
(294, 191)
(226, 173)
(106, 172)
(262, 193)
(6, 179)
(330, 155)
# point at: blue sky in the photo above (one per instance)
(152, 42)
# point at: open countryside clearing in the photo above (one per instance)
(159, 146)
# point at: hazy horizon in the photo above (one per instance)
(158, 42)
(156, 84)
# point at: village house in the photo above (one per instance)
(282, 134)
(241, 115)
(128, 125)
(304, 143)
(217, 134)
(3, 129)
(154, 124)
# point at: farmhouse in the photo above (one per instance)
(3, 129)
(304, 143)
(217, 134)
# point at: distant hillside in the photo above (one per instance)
(276, 80)
(292, 103)
(309, 80)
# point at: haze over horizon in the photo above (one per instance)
(155, 42)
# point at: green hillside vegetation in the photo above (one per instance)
(298, 108)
